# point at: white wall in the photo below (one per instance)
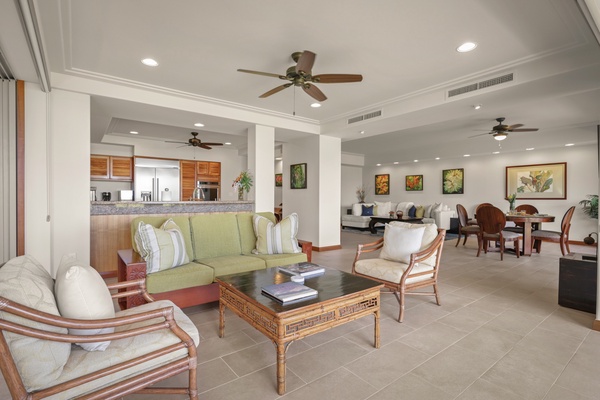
(330, 171)
(278, 190)
(485, 182)
(352, 178)
(57, 175)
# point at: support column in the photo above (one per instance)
(261, 154)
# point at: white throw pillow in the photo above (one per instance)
(383, 209)
(400, 242)
(82, 294)
(427, 213)
(436, 207)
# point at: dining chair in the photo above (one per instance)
(464, 228)
(492, 222)
(527, 209)
(473, 221)
(562, 237)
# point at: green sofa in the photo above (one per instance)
(217, 243)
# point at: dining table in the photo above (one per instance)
(527, 221)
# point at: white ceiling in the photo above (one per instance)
(404, 49)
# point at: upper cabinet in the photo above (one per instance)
(193, 171)
(103, 168)
(208, 171)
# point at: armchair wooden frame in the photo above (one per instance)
(136, 384)
(402, 288)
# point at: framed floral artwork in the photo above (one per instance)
(298, 176)
(537, 181)
(414, 183)
(453, 181)
(382, 184)
(278, 180)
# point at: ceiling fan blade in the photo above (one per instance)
(524, 130)
(212, 144)
(511, 127)
(314, 92)
(248, 71)
(204, 146)
(172, 141)
(305, 62)
(337, 78)
(275, 90)
(480, 134)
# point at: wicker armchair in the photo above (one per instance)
(404, 278)
(150, 343)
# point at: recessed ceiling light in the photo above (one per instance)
(396, 163)
(134, 132)
(437, 158)
(150, 62)
(530, 148)
(379, 165)
(477, 107)
(495, 152)
(570, 144)
(227, 143)
(465, 47)
(315, 105)
(362, 132)
(278, 158)
(415, 160)
(467, 155)
(199, 124)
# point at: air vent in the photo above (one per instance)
(366, 116)
(481, 85)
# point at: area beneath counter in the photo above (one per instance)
(110, 224)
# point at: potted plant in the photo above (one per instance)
(361, 192)
(242, 183)
(590, 206)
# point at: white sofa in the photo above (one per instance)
(437, 213)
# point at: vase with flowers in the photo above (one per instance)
(511, 200)
(361, 192)
(243, 183)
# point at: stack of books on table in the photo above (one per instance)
(289, 291)
(305, 269)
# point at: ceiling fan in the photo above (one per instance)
(500, 131)
(195, 142)
(301, 75)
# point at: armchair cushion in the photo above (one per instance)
(24, 281)
(162, 248)
(390, 271)
(82, 294)
(276, 238)
(429, 235)
(400, 242)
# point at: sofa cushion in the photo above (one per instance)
(185, 276)
(226, 265)
(40, 362)
(412, 211)
(367, 211)
(83, 362)
(246, 228)
(427, 213)
(420, 212)
(278, 260)
(400, 242)
(383, 208)
(81, 293)
(215, 235)
(276, 238)
(357, 208)
(162, 248)
(183, 222)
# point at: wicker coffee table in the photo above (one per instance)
(342, 298)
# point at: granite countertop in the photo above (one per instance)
(168, 207)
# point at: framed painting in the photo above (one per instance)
(414, 183)
(278, 180)
(298, 176)
(382, 184)
(453, 181)
(537, 181)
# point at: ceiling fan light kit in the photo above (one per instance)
(301, 75)
(501, 131)
(500, 136)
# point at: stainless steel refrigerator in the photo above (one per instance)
(156, 180)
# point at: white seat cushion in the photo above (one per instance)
(390, 271)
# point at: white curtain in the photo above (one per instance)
(8, 168)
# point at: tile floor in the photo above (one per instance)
(499, 334)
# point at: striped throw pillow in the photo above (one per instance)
(162, 248)
(276, 238)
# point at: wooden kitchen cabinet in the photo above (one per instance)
(208, 171)
(191, 172)
(106, 168)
